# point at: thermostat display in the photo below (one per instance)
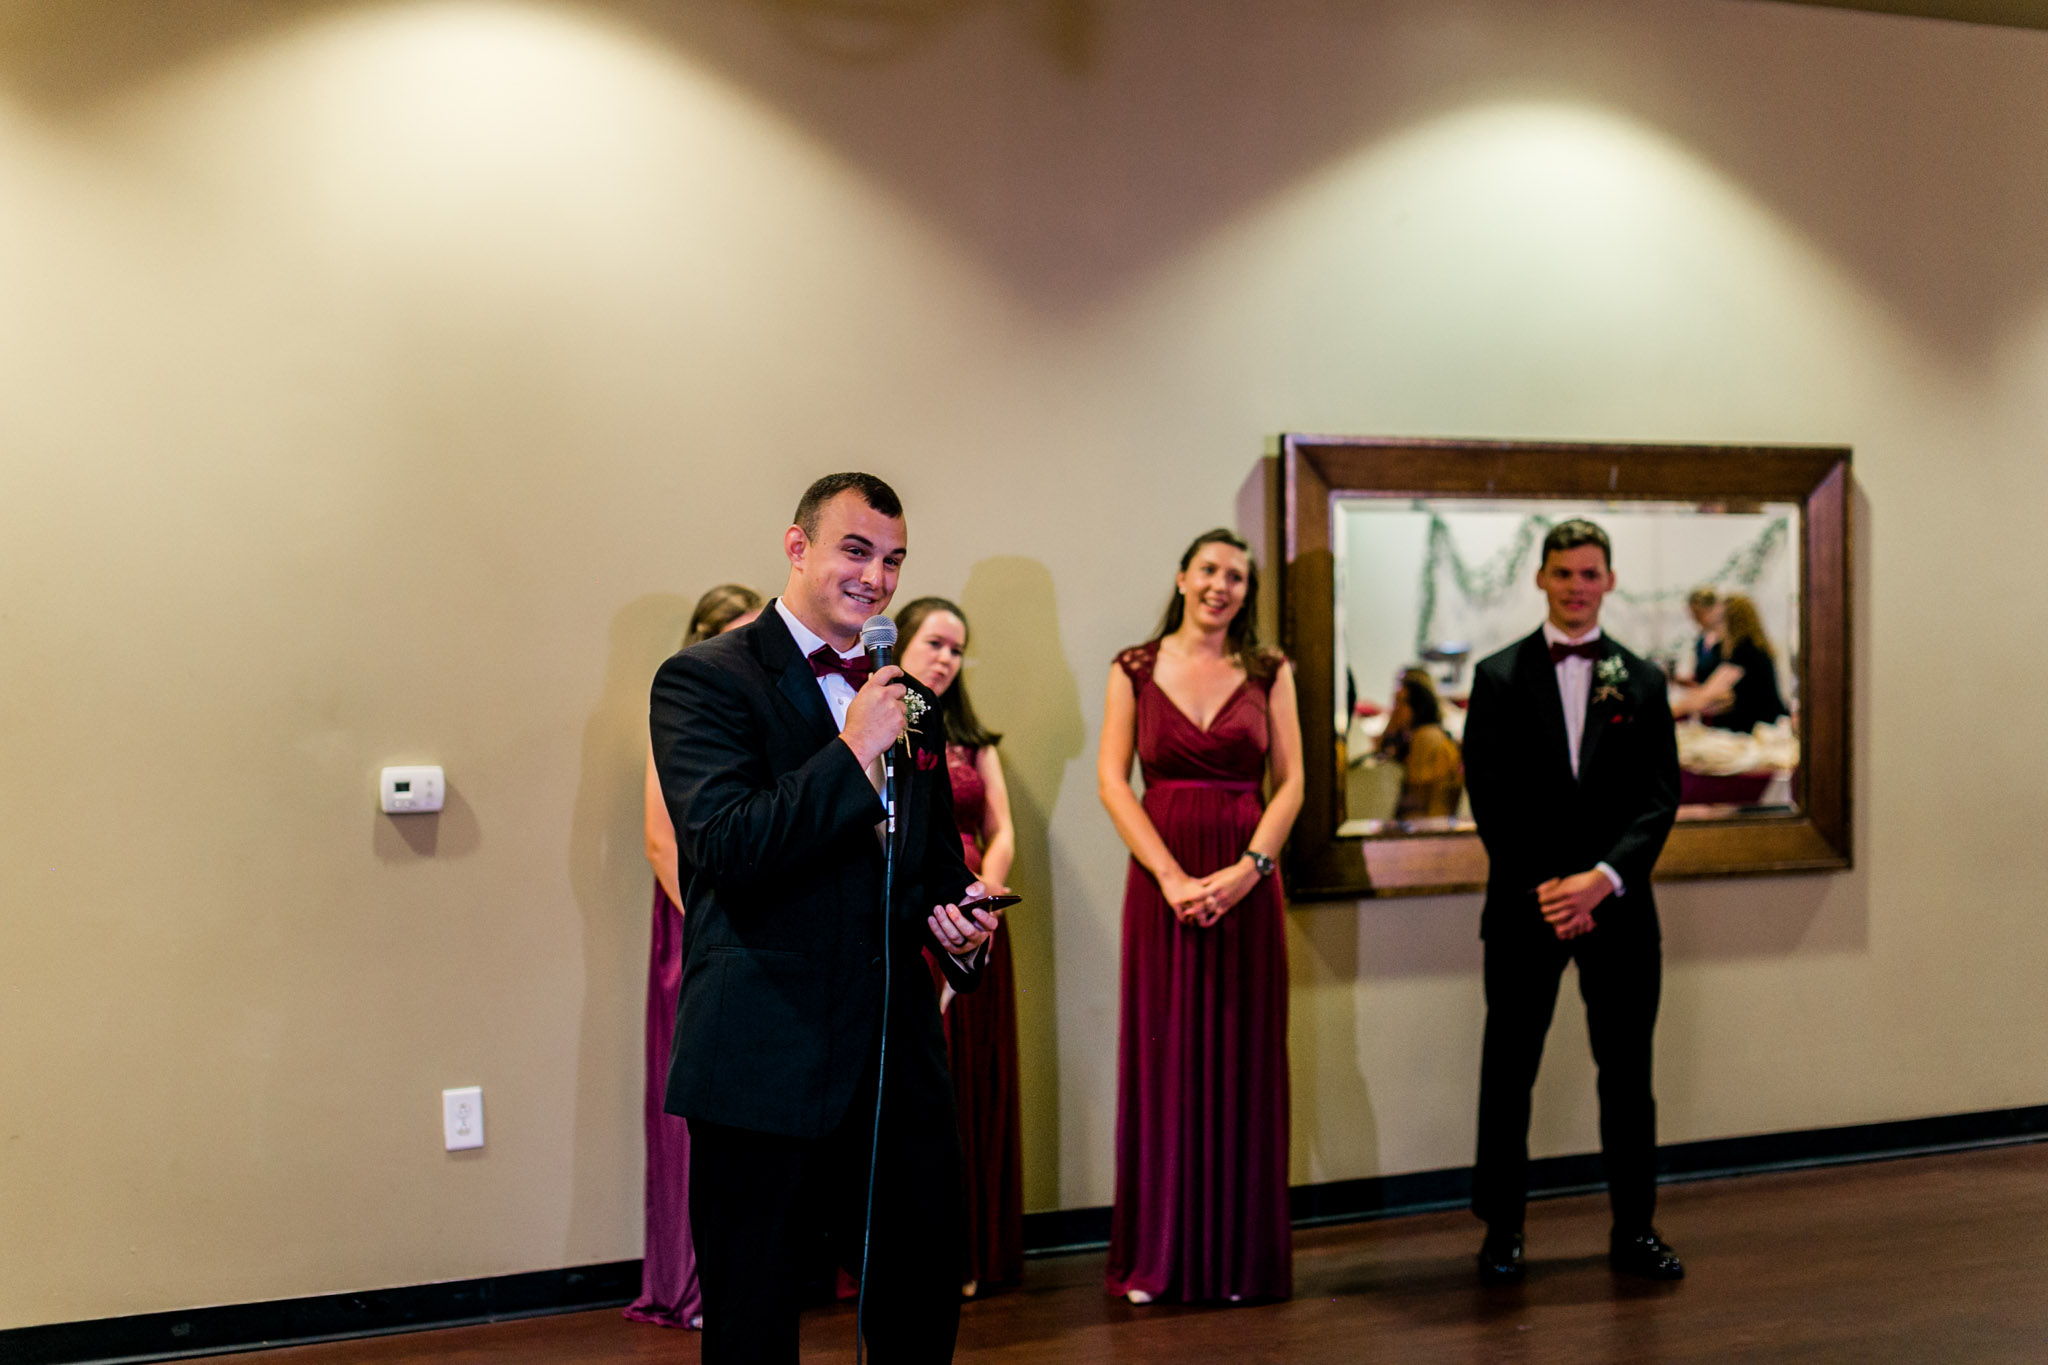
(413, 790)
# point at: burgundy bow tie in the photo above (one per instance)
(824, 660)
(1584, 649)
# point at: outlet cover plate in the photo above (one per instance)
(462, 1117)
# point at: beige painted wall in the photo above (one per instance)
(379, 382)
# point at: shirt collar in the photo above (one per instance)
(808, 641)
(1557, 637)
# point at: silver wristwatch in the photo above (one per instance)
(1260, 861)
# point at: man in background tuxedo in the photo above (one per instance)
(768, 741)
(1572, 765)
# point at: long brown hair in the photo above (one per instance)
(962, 725)
(1241, 637)
(1741, 622)
(1424, 707)
(718, 609)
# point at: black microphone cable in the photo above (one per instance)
(878, 637)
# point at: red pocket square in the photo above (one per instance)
(926, 760)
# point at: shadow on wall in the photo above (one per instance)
(856, 32)
(87, 50)
(1265, 97)
(1024, 689)
(614, 890)
(1324, 952)
(450, 832)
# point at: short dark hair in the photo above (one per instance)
(1570, 535)
(872, 490)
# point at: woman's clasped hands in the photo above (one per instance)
(1202, 901)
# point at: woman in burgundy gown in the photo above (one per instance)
(981, 1026)
(669, 1296)
(1202, 1116)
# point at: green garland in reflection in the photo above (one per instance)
(1486, 585)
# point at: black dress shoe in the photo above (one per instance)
(1645, 1255)
(1500, 1258)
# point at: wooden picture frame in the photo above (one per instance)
(1315, 470)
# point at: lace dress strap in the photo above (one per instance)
(1137, 662)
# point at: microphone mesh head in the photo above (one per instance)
(878, 632)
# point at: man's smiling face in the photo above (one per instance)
(1575, 581)
(847, 571)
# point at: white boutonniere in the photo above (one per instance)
(1610, 673)
(914, 708)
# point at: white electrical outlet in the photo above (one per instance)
(462, 1117)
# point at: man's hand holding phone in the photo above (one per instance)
(962, 928)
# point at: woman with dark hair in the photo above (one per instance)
(1432, 769)
(981, 1026)
(669, 1296)
(1201, 1127)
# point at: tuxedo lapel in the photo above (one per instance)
(792, 673)
(1538, 677)
(1596, 718)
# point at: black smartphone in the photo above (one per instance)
(990, 903)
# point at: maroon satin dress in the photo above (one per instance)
(1201, 1116)
(669, 1295)
(981, 1040)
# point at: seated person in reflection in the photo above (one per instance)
(1704, 604)
(1740, 691)
(1432, 768)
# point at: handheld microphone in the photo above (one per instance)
(878, 638)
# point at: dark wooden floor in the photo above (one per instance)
(1939, 1258)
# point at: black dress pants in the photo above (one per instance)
(758, 1201)
(1620, 978)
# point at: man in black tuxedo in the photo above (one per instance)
(1572, 765)
(768, 741)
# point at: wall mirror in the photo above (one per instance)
(1408, 561)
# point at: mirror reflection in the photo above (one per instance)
(1426, 587)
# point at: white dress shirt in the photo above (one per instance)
(838, 689)
(1574, 688)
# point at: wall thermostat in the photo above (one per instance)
(412, 791)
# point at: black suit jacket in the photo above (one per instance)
(781, 998)
(1538, 821)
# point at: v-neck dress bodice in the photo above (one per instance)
(1202, 1101)
(1172, 748)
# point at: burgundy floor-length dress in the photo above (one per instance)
(1201, 1119)
(981, 1040)
(669, 1296)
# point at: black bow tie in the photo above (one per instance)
(1584, 649)
(824, 660)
